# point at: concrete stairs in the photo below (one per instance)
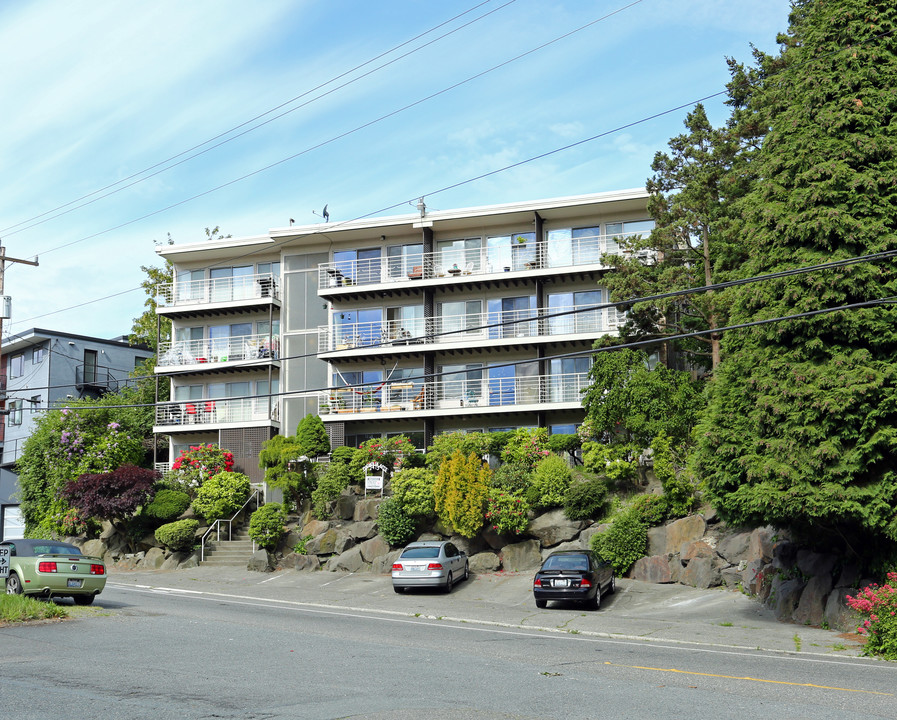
(234, 552)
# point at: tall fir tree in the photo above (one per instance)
(801, 429)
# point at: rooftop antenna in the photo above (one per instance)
(324, 214)
(421, 207)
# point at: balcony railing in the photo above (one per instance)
(216, 412)
(218, 290)
(414, 396)
(473, 262)
(219, 350)
(580, 319)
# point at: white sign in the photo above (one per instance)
(373, 482)
(4, 562)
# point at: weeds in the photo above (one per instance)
(19, 608)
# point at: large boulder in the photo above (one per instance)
(261, 561)
(154, 558)
(470, 546)
(484, 562)
(571, 545)
(95, 548)
(383, 564)
(323, 544)
(696, 549)
(349, 561)
(585, 537)
(314, 528)
(173, 561)
(295, 561)
(687, 529)
(761, 544)
(374, 548)
(702, 573)
(784, 596)
(654, 569)
(345, 507)
(838, 614)
(366, 509)
(734, 548)
(521, 556)
(554, 527)
(344, 541)
(657, 540)
(812, 563)
(364, 530)
(811, 607)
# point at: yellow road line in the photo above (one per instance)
(760, 680)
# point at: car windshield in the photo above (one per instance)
(421, 552)
(567, 562)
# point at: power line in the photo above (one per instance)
(132, 177)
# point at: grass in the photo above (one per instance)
(725, 624)
(797, 642)
(19, 608)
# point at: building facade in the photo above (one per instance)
(43, 369)
(417, 324)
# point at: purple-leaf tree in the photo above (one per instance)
(111, 496)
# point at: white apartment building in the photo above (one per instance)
(416, 324)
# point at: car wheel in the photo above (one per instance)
(449, 583)
(612, 588)
(466, 570)
(13, 585)
(398, 589)
(595, 602)
(541, 604)
(83, 599)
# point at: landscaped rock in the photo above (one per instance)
(657, 540)
(383, 564)
(849, 576)
(363, 530)
(811, 607)
(585, 537)
(94, 548)
(784, 554)
(734, 548)
(812, 563)
(571, 545)
(494, 540)
(315, 528)
(324, 544)
(345, 507)
(261, 561)
(344, 541)
(521, 556)
(295, 561)
(682, 531)
(366, 509)
(654, 569)
(173, 561)
(191, 561)
(374, 548)
(470, 546)
(837, 613)
(784, 596)
(429, 537)
(484, 562)
(154, 558)
(701, 573)
(349, 561)
(761, 544)
(696, 549)
(554, 527)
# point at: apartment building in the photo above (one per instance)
(43, 369)
(417, 324)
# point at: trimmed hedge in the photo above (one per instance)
(266, 525)
(179, 536)
(167, 505)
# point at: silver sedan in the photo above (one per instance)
(430, 564)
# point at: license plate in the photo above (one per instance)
(561, 583)
(74, 583)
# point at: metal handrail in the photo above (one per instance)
(216, 526)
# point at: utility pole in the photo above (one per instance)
(3, 260)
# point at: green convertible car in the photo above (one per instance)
(49, 568)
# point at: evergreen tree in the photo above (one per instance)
(311, 436)
(801, 429)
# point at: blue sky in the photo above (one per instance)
(96, 91)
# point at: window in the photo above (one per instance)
(466, 254)
(35, 403)
(90, 366)
(626, 229)
(511, 252)
(463, 383)
(405, 260)
(358, 266)
(403, 323)
(190, 285)
(15, 411)
(505, 315)
(573, 322)
(568, 377)
(226, 341)
(17, 365)
(37, 354)
(138, 361)
(232, 283)
(455, 317)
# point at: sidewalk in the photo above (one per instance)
(638, 611)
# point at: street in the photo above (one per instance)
(180, 645)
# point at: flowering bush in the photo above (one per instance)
(526, 447)
(74, 523)
(197, 464)
(391, 452)
(506, 512)
(879, 604)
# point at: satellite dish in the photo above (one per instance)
(325, 214)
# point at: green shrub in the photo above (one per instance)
(221, 495)
(651, 510)
(550, 482)
(167, 505)
(506, 513)
(562, 443)
(342, 455)
(413, 490)
(446, 444)
(300, 547)
(512, 478)
(462, 485)
(393, 523)
(585, 500)
(312, 437)
(624, 542)
(266, 525)
(179, 536)
(336, 478)
(613, 461)
(679, 490)
(527, 447)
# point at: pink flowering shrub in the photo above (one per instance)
(197, 464)
(527, 447)
(879, 604)
(506, 513)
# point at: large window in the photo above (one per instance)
(359, 390)
(359, 266)
(404, 323)
(15, 411)
(190, 285)
(232, 283)
(459, 316)
(514, 384)
(227, 341)
(572, 313)
(405, 261)
(511, 252)
(506, 314)
(465, 254)
(37, 354)
(463, 383)
(568, 377)
(16, 365)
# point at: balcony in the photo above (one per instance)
(240, 350)
(494, 328)
(233, 290)
(473, 396)
(463, 265)
(196, 415)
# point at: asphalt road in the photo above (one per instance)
(206, 644)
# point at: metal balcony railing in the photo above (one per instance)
(473, 262)
(216, 412)
(584, 319)
(453, 393)
(219, 350)
(218, 290)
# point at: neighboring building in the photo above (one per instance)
(394, 325)
(43, 369)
